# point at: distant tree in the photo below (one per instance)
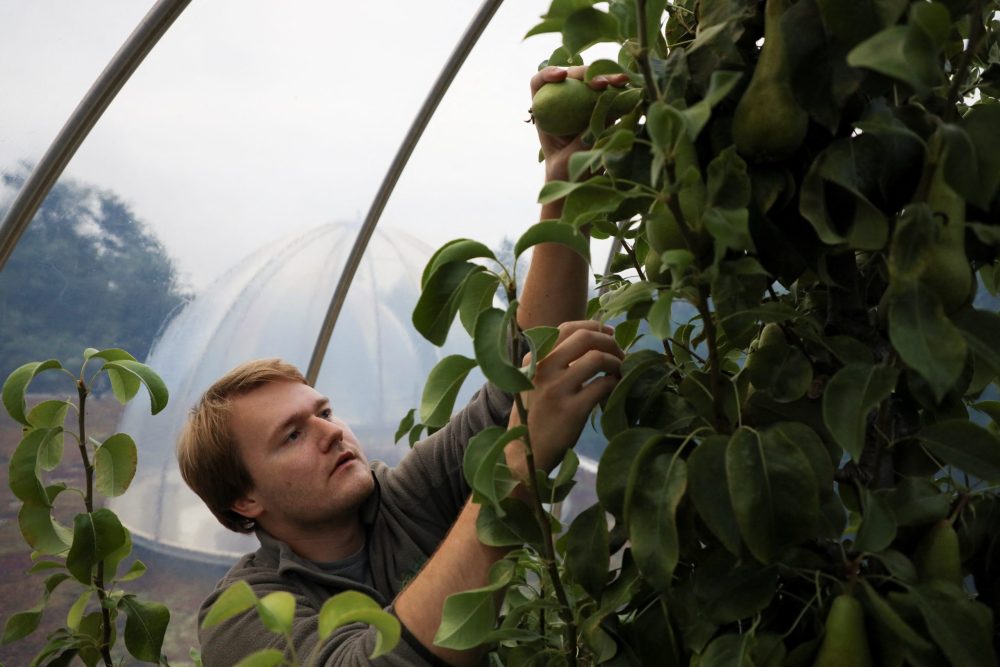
(86, 272)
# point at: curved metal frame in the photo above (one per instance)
(447, 75)
(93, 105)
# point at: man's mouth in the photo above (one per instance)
(345, 457)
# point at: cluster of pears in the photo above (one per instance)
(845, 643)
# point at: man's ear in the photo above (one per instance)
(248, 506)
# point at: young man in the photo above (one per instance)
(265, 452)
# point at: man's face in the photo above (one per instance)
(307, 467)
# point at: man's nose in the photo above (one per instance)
(330, 433)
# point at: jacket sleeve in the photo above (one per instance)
(229, 642)
(429, 481)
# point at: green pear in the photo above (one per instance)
(563, 108)
(948, 272)
(845, 643)
(938, 557)
(769, 124)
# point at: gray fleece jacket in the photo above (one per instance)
(406, 518)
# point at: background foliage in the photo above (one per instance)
(87, 270)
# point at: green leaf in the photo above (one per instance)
(853, 392)
(553, 231)
(145, 625)
(906, 53)
(441, 298)
(588, 204)
(405, 424)
(657, 483)
(720, 85)
(16, 384)
(43, 533)
(833, 196)
(158, 394)
(277, 611)
(878, 525)
(586, 27)
(95, 535)
(114, 559)
(886, 615)
(542, 340)
(24, 466)
(554, 190)
(961, 627)
(136, 570)
(268, 657)
(780, 370)
(236, 599)
(665, 125)
(773, 489)
(965, 445)
(490, 343)
(659, 315)
(515, 528)
(355, 607)
(728, 181)
(485, 464)
(442, 388)
(50, 414)
(706, 471)
(615, 418)
(917, 501)
(467, 617)
(621, 299)
(981, 331)
(458, 250)
(616, 462)
(20, 625)
(75, 613)
(123, 385)
(587, 556)
(114, 464)
(925, 338)
(478, 295)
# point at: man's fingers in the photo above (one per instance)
(567, 329)
(589, 365)
(580, 342)
(554, 74)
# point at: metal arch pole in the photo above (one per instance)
(447, 75)
(121, 67)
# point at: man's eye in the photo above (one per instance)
(293, 436)
(327, 413)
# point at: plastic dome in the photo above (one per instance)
(272, 305)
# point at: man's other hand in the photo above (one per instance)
(579, 372)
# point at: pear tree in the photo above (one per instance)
(803, 451)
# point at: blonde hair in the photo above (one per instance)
(207, 453)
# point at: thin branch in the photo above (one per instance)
(652, 91)
(541, 517)
(88, 500)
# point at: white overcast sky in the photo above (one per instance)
(255, 118)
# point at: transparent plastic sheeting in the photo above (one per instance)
(271, 305)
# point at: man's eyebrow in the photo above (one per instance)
(295, 417)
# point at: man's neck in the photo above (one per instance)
(324, 544)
